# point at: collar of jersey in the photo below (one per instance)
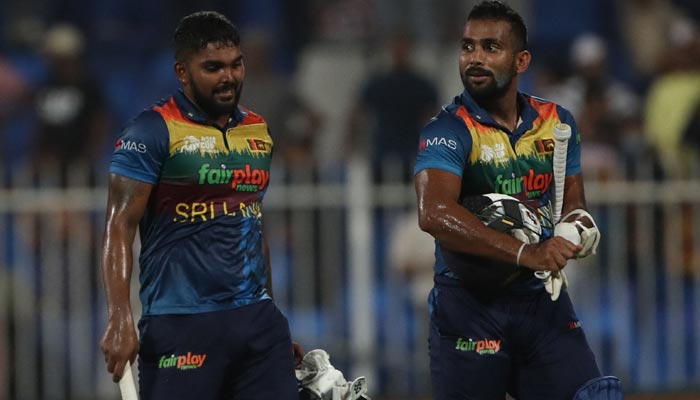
(528, 113)
(193, 113)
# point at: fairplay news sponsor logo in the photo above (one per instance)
(484, 346)
(189, 361)
(245, 179)
(130, 145)
(437, 141)
(534, 184)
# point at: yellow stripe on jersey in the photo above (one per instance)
(526, 145)
(190, 138)
(250, 139)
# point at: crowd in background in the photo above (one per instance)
(344, 77)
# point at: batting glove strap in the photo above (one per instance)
(590, 237)
(554, 283)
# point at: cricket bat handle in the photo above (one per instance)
(126, 384)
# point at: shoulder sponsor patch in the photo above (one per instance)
(131, 145)
(438, 141)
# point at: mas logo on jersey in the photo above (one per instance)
(484, 346)
(189, 361)
(437, 141)
(130, 145)
(246, 179)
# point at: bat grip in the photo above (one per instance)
(562, 133)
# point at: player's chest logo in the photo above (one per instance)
(494, 153)
(244, 179)
(202, 144)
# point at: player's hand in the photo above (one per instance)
(550, 255)
(298, 352)
(119, 343)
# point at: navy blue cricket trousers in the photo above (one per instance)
(524, 344)
(241, 354)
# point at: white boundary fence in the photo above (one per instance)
(638, 299)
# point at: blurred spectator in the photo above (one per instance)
(674, 99)
(13, 89)
(21, 69)
(392, 107)
(588, 58)
(73, 122)
(608, 112)
(644, 25)
(292, 122)
(14, 102)
(600, 129)
(411, 253)
(345, 20)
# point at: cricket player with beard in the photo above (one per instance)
(191, 173)
(483, 180)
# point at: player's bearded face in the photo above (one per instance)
(495, 84)
(219, 100)
(213, 78)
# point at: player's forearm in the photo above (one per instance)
(126, 204)
(117, 262)
(461, 231)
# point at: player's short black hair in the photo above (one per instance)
(197, 30)
(494, 9)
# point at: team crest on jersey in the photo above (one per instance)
(544, 146)
(192, 144)
(260, 145)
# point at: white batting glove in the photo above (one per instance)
(318, 376)
(589, 240)
(554, 283)
(590, 237)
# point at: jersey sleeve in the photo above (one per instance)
(141, 148)
(444, 144)
(573, 154)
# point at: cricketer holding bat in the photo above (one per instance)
(484, 182)
(191, 173)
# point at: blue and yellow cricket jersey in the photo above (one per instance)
(201, 234)
(463, 139)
